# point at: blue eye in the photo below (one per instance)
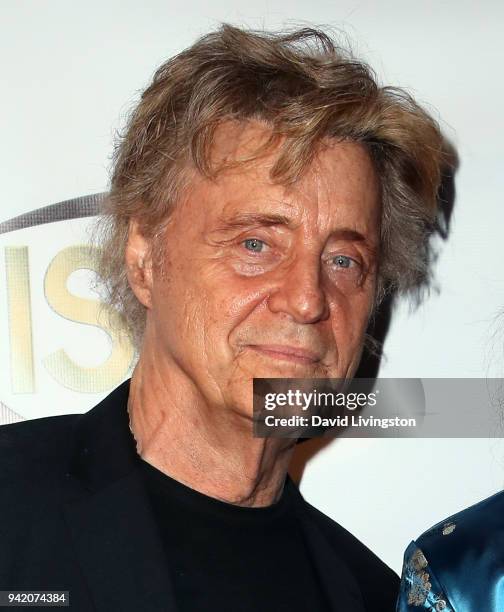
(254, 244)
(342, 261)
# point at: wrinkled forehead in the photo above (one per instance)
(339, 185)
(234, 141)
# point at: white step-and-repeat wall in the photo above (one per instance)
(70, 73)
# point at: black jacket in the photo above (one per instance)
(74, 516)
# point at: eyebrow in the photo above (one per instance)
(345, 233)
(247, 219)
(252, 218)
(351, 235)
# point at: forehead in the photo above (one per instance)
(340, 182)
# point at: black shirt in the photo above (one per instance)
(225, 557)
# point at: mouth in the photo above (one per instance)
(286, 353)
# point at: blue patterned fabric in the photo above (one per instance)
(457, 565)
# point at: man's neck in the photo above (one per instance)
(212, 453)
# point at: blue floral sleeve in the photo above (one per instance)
(420, 590)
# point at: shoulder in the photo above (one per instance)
(481, 522)
(378, 582)
(357, 552)
(31, 450)
(458, 559)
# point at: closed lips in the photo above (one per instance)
(292, 352)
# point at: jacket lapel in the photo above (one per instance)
(338, 583)
(114, 532)
(107, 511)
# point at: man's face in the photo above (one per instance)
(263, 280)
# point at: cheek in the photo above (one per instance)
(177, 307)
(349, 320)
(232, 305)
(205, 298)
(239, 310)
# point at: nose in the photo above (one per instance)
(299, 293)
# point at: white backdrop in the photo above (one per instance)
(72, 70)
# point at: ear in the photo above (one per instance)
(139, 264)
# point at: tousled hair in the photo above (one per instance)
(306, 89)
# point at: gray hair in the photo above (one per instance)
(306, 88)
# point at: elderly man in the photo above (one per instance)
(265, 196)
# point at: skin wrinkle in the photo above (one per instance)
(289, 82)
(191, 400)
